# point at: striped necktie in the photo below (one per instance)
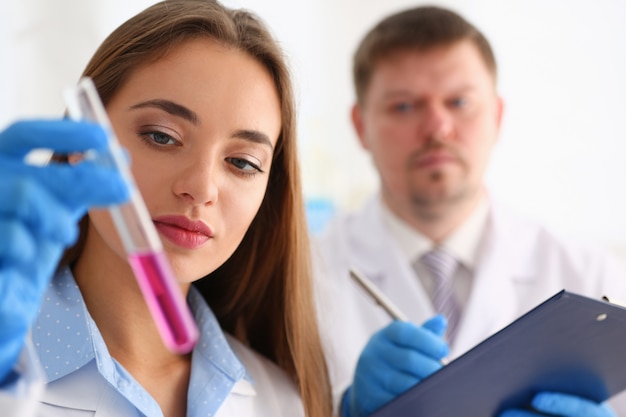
(442, 266)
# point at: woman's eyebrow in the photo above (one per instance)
(254, 136)
(188, 114)
(170, 107)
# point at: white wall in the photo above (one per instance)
(562, 64)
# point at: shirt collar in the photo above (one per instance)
(66, 339)
(463, 243)
(62, 332)
(215, 367)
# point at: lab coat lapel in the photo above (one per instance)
(84, 391)
(503, 263)
(112, 405)
(379, 258)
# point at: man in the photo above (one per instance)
(429, 114)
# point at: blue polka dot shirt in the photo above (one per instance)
(66, 339)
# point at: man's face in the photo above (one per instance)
(430, 120)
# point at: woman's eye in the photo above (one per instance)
(160, 138)
(244, 165)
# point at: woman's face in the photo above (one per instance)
(200, 125)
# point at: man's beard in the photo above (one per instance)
(432, 204)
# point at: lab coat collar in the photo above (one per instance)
(87, 391)
(213, 345)
(79, 371)
(380, 258)
(69, 342)
(507, 241)
(503, 263)
(369, 253)
(82, 374)
(216, 370)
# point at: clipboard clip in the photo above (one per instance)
(620, 304)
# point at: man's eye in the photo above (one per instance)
(402, 107)
(458, 102)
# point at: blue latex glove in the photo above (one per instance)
(564, 405)
(39, 210)
(395, 358)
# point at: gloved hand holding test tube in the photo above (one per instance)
(138, 234)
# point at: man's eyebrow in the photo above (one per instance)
(461, 88)
(170, 107)
(254, 136)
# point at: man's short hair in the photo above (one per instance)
(420, 28)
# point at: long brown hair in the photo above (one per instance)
(263, 294)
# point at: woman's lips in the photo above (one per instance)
(183, 232)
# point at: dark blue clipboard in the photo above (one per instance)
(569, 343)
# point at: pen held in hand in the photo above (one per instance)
(381, 299)
(377, 296)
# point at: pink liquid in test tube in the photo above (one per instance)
(140, 238)
(155, 279)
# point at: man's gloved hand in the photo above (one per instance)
(395, 358)
(564, 405)
(39, 210)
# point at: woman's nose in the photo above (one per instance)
(198, 183)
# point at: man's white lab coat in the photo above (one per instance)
(521, 265)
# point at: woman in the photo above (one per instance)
(201, 99)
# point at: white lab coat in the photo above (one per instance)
(521, 265)
(86, 394)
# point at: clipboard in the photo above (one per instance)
(569, 343)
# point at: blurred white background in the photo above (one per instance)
(562, 67)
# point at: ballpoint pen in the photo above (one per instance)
(379, 298)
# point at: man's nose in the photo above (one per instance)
(437, 122)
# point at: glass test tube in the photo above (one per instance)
(138, 234)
